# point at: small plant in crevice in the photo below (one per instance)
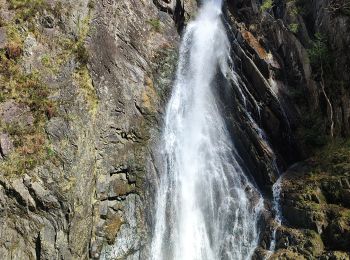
(27, 9)
(155, 23)
(319, 53)
(293, 27)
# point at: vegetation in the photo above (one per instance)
(267, 5)
(83, 80)
(339, 7)
(28, 88)
(91, 4)
(155, 23)
(313, 131)
(293, 27)
(319, 53)
(321, 59)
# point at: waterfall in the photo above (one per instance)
(276, 189)
(206, 208)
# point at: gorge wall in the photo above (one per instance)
(83, 89)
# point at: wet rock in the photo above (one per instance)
(305, 242)
(313, 197)
(129, 237)
(286, 254)
(337, 233)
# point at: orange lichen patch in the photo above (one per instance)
(149, 95)
(32, 144)
(112, 227)
(254, 43)
(13, 50)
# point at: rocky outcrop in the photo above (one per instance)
(314, 199)
(289, 53)
(125, 72)
(106, 68)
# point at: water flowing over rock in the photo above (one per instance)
(206, 208)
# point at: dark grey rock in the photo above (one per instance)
(48, 21)
(3, 38)
(6, 145)
(12, 112)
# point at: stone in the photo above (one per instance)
(15, 113)
(47, 238)
(118, 186)
(6, 145)
(112, 227)
(48, 21)
(3, 38)
(102, 185)
(57, 129)
(103, 209)
(23, 192)
(44, 196)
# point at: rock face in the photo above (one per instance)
(107, 76)
(315, 199)
(292, 55)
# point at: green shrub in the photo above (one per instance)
(267, 5)
(81, 53)
(319, 53)
(313, 131)
(293, 27)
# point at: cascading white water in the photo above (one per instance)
(206, 208)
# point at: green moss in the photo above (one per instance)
(84, 82)
(26, 10)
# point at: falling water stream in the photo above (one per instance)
(206, 208)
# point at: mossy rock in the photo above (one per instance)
(286, 255)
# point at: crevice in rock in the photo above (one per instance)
(38, 247)
(2, 154)
(177, 13)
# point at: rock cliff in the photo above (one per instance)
(83, 86)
